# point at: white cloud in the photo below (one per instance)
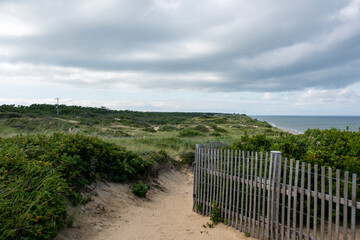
(12, 26)
(267, 96)
(351, 11)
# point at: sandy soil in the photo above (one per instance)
(166, 213)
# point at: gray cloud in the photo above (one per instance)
(253, 46)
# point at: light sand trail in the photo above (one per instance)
(166, 214)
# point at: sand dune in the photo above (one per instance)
(166, 213)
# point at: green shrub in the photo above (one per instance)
(199, 208)
(216, 214)
(187, 157)
(212, 126)
(155, 157)
(149, 129)
(201, 128)
(257, 143)
(40, 175)
(220, 130)
(215, 134)
(190, 133)
(32, 198)
(167, 128)
(140, 189)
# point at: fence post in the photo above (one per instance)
(276, 157)
(196, 176)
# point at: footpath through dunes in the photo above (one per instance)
(166, 213)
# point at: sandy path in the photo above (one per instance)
(165, 214)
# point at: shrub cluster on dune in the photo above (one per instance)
(41, 175)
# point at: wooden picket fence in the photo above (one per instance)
(269, 197)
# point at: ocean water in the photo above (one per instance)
(302, 123)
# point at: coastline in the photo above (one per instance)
(291, 131)
(287, 130)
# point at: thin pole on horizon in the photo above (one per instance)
(57, 105)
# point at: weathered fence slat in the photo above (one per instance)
(227, 184)
(264, 197)
(221, 203)
(233, 190)
(260, 192)
(250, 191)
(302, 185)
(330, 205)
(308, 204)
(211, 152)
(255, 188)
(207, 181)
(246, 222)
(295, 198)
(315, 200)
(230, 189)
(283, 200)
(242, 191)
(322, 227)
(353, 208)
(195, 180)
(346, 186)
(337, 213)
(289, 200)
(269, 202)
(238, 160)
(203, 177)
(222, 181)
(277, 178)
(199, 176)
(217, 176)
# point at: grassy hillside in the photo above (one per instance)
(138, 131)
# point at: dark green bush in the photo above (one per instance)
(216, 214)
(167, 128)
(155, 157)
(220, 130)
(149, 129)
(40, 175)
(140, 189)
(257, 143)
(187, 157)
(330, 148)
(190, 133)
(201, 128)
(215, 134)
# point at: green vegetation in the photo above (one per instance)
(187, 157)
(137, 131)
(190, 133)
(40, 175)
(199, 208)
(140, 189)
(216, 214)
(330, 148)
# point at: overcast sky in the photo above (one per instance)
(254, 57)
